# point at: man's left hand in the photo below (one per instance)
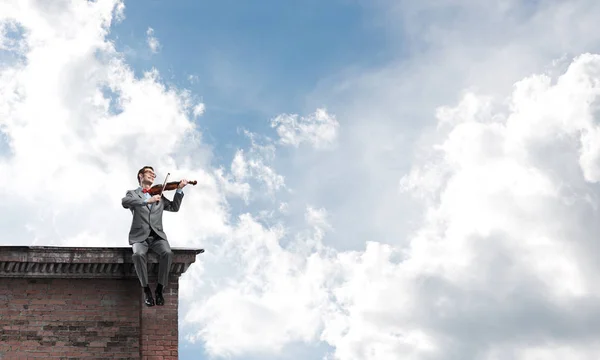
(182, 183)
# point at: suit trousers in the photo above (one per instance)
(165, 257)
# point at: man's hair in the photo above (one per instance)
(141, 171)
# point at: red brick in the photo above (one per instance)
(54, 304)
(53, 328)
(157, 323)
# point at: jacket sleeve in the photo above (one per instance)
(174, 205)
(130, 201)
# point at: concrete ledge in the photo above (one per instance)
(83, 262)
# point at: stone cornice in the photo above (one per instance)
(83, 262)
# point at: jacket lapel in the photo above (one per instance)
(139, 193)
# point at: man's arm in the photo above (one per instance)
(130, 200)
(174, 205)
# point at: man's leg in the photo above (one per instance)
(140, 251)
(165, 258)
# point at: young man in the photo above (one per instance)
(146, 230)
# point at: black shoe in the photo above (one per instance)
(149, 300)
(160, 301)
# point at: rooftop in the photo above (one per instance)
(83, 262)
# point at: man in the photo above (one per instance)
(146, 230)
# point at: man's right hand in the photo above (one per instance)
(155, 198)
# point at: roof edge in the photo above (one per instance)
(81, 262)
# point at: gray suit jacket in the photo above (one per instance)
(145, 218)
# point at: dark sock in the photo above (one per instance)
(147, 289)
(159, 288)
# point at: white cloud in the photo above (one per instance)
(74, 115)
(502, 266)
(7, 42)
(319, 129)
(79, 125)
(273, 297)
(256, 164)
(496, 260)
(239, 167)
(250, 172)
(507, 225)
(317, 217)
(152, 41)
(199, 109)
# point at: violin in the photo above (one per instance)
(158, 189)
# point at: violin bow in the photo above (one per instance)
(164, 184)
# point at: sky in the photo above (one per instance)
(380, 179)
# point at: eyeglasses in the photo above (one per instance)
(150, 172)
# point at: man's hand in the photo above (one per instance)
(182, 183)
(155, 198)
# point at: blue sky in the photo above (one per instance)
(252, 60)
(432, 172)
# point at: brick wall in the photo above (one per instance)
(159, 330)
(69, 318)
(72, 303)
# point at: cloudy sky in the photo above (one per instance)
(377, 179)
